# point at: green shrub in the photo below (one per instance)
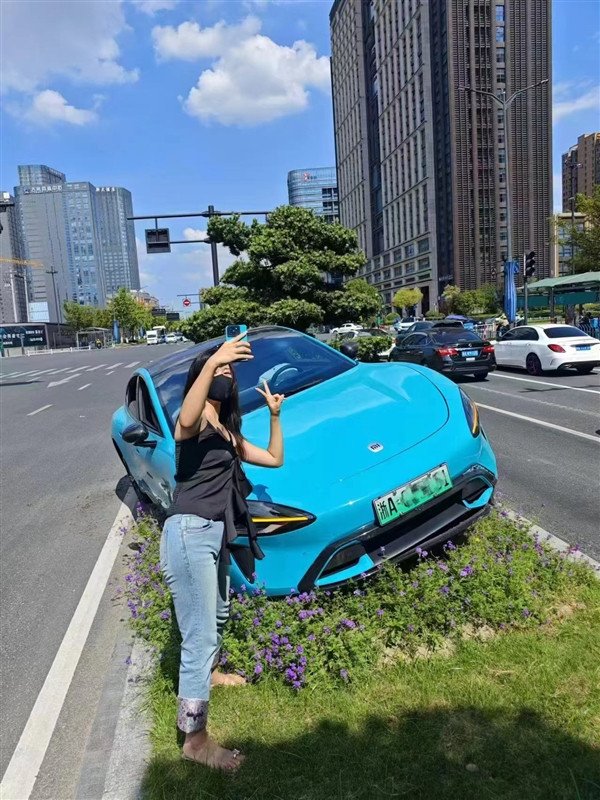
(434, 315)
(500, 578)
(368, 347)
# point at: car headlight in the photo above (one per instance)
(471, 413)
(273, 518)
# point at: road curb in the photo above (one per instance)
(549, 538)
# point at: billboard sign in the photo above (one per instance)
(26, 335)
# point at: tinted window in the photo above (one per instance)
(528, 335)
(131, 397)
(416, 338)
(296, 362)
(146, 409)
(509, 336)
(454, 337)
(421, 326)
(563, 332)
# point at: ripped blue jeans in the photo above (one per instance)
(190, 548)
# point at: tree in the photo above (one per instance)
(449, 297)
(79, 317)
(289, 271)
(587, 241)
(407, 298)
(127, 311)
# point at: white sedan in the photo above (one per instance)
(347, 327)
(541, 347)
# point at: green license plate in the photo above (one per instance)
(412, 495)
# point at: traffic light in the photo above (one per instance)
(530, 265)
(158, 240)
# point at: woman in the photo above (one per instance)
(208, 504)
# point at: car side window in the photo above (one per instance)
(131, 397)
(529, 335)
(147, 414)
(409, 340)
(510, 336)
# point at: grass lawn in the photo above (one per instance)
(516, 717)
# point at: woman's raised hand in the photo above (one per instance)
(234, 350)
(274, 401)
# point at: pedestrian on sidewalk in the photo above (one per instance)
(208, 505)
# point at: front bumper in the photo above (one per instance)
(436, 521)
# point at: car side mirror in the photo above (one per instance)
(349, 349)
(137, 434)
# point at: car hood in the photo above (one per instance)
(346, 425)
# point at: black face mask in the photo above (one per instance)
(220, 389)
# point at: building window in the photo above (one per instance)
(499, 13)
(409, 250)
(424, 263)
(499, 33)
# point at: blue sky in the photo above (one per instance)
(188, 103)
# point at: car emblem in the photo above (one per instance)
(375, 447)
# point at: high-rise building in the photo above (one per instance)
(39, 175)
(561, 228)
(117, 239)
(13, 273)
(315, 189)
(421, 157)
(80, 234)
(580, 169)
(43, 226)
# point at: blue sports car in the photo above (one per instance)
(379, 458)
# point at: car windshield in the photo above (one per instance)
(289, 361)
(441, 336)
(563, 332)
(421, 326)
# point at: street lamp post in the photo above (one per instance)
(54, 272)
(504, 104)
(573, 166)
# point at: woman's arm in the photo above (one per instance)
(273, 455)
(195, 400)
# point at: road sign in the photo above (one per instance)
(158, 311)
(187, 302)
(173, 316)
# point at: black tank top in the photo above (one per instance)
(211, 483)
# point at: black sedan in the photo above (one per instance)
(453, 351)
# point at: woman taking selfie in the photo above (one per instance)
(208, 503)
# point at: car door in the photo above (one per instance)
(413, 348)
(156, 462)
(528, 342)
(401, 351)
(505, 348)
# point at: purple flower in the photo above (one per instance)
(165, 614)
(430, 571)
(297, 684)
(299, 649)
(411, 628)
(422, 553)
(449, 545)
(326, 630)
(444, 589)
(258, 669)
(344, 674)
(415, 584)
(348, 623)
(526, 612)
(380, 612)
(256, 622)
(290, 674)
(278, 624)
(311, 637)
(466, 571)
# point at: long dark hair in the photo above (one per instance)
(230, 415)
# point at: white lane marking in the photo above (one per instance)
(85, 386)
(110, 372)
(543, 383)
(58, 371)
(114, 366)
(21, 773)
(20, 374)
(130, 366)
(83, 366)
(91, 369)
(64, 380)
(543, 423)
(535, 400)
(37, 411)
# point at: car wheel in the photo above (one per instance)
(533, 365)
(480, 376)
(584, 370)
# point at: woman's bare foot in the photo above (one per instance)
(219, 678)
(204, 750)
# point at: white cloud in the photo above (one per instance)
(570, 99)
(151, 7)
(193, 233)
(76, 40)
(253, 79)
(190, 42)
(50, 106)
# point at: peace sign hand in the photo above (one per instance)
(274, 401)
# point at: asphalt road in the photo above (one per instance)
(58, 500)
(61, 482)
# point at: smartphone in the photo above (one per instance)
(231, 331)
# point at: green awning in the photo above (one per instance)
(589, 280)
